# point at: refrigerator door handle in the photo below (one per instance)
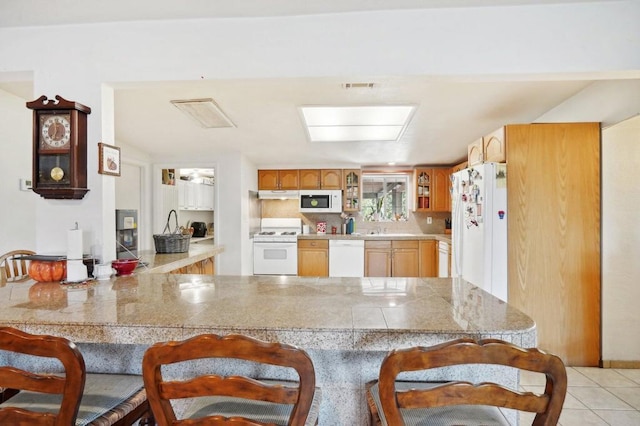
(458, 218)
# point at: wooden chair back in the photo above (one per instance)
(160, 392)
(547, 406)
(12, 268)
(69, 385)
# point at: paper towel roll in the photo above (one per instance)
(74, 244)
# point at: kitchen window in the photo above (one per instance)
(385, 196)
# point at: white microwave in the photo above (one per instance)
(320, 201)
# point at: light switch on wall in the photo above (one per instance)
(429, 220)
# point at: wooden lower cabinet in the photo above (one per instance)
(203, 267)
(399, 258)
(428, 258)
(377, 258)
(313, 258)
(208, 267)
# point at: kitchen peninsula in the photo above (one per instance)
(346, 324)
(175, 262)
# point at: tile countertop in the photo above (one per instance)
(376, 237)
(318, 313)
(346, 325)
(167, 262)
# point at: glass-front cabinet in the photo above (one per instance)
(423, 179)
(351, 186)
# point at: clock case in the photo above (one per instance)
(74, 156)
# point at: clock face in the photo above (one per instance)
(55, 131)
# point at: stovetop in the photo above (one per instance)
(278, 229)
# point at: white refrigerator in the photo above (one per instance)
(479, 227)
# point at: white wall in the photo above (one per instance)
(128, 187)
(17, 208)
(590, 38)
(620, 241)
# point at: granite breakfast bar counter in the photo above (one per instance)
(346, 324)
(170, 262)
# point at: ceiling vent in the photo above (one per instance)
(357, 86)
(205, 112)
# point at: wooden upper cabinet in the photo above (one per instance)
(422, 185)
(351, 186)
(309, 179)
(491, 148)
(320, 179)
(495, 147)
(268, 179)
(432, 189)
(441, 189)
(459, 167)
(289, 179)
(475, 152)
(331, 179)
(278, 179)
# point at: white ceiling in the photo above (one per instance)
(269, 131)
(451, 112)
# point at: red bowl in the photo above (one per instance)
(124, 266)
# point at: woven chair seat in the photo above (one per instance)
(107, 398)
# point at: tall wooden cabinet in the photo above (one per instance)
(553, 213)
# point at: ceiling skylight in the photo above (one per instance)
(205, 112)
(356, 123)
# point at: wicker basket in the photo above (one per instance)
(172, 242)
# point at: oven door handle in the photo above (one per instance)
(275, 245)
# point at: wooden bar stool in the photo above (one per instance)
(398, 403)
(237, 399)
(71, 397)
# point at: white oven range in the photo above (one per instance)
(275, 247)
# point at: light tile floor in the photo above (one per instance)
(595, 396)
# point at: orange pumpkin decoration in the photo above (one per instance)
(45, 271)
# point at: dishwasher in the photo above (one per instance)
(346, 258)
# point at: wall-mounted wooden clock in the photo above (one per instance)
(59, 148)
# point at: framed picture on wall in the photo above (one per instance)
(108, 159)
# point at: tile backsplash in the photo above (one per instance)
(416, 223)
